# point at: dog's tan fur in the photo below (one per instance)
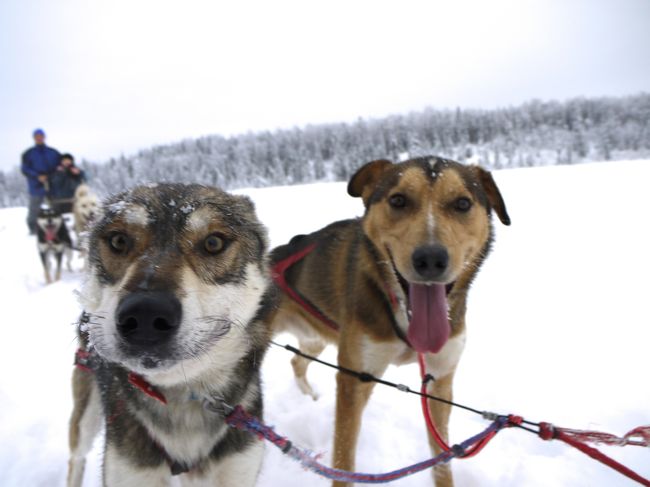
(354, 268)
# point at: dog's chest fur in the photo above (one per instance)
(188, 431)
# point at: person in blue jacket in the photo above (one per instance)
(38, 163)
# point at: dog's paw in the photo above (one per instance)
(306, 388)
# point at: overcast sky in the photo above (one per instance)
(110, 77)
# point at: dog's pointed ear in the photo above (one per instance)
(493, 194)
(365, 179)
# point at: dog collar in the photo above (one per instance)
(140, 383)
(87, 361)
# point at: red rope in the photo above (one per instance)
(566, 437)
(638, 437)
(431, 426)
(547, 431)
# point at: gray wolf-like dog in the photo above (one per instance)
(177, 300)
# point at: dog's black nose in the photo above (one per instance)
(430, 261)
(148, 318)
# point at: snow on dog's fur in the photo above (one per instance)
(177, 291)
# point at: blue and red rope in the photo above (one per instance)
(240, 419)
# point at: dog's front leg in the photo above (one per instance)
(352, 397)
(440, 414)
(85, 423)
(59, 258)
(124, 472)
(300, 364)
(68, 258)
(46, 267)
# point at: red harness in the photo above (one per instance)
(278, 272)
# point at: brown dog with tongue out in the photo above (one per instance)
(391, 283)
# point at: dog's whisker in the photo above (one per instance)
(187, 382)
(97, 313)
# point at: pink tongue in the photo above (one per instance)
(50, 233)
(429, 329)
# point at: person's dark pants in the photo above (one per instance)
(34, 207)
(62, 207)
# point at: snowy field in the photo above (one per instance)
(557, 331)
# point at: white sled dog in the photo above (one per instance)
(84, 209)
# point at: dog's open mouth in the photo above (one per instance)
(50, 232)
(429, 327)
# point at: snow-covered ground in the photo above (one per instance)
(557, 331)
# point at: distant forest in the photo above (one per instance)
(534, 134)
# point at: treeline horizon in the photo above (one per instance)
(534, 133)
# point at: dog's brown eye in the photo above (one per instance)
(462, 204)
(119, 243)
(397, 201)
(213, 244)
